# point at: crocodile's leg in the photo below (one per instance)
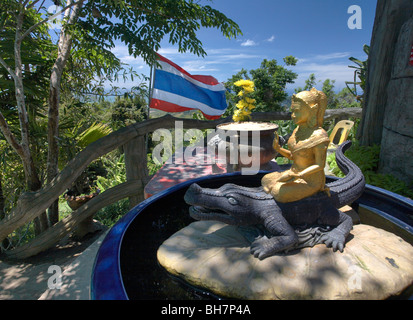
(284, 236)
(342, 225)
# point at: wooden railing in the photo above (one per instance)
(31, 204)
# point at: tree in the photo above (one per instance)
(270, 81)
(343, 99)
(360, 72)
(346, 99)
(309, 83)
(26, 63)
(328, 89)
(92, 27)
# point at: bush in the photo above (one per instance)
(367, 159)
(113, 212)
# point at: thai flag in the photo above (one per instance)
(175, 90)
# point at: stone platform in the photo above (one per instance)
(375, 264)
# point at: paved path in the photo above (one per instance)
(28, 279)
(76, 278)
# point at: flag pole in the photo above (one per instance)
(150, 93)
(150, 90)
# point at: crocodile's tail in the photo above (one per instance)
(348, 189)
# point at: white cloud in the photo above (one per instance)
(198, 66)
(271, 39)
(249, 43)
(334, 55)
(324, 57)
(236, 57)
(216, 62)
(168, 51)
(219, 62)
(220, 51)
(122, 53)
(334, 71)
(333, 66)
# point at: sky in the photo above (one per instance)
(316, 32)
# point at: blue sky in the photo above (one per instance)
(314, 31)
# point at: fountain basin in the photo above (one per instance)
(126, 266)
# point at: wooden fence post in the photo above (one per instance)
(136, 165)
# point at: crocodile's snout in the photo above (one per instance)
(191, 194)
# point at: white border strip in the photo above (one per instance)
(168, 68)
(185, 102)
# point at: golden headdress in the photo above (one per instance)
(315, 100)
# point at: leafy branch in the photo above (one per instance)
(360, 72)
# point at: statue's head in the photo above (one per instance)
(315, 102)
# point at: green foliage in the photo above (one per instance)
(143, 24)
(12, 176)
(270, 81)
(116, 172)
(347, 100)
(37, 54)
(152, 166)
(389, 182)
(285, 127)
(309, 83)
(367, 159)
(360, 72)
(75, 136)
(140, 24)
(342, 99)
(328, 89)
(126, 111)
(113, 212)
(290, 60)
(92, 134)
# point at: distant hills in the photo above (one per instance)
(155, 113)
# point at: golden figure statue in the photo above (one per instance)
(307, 148)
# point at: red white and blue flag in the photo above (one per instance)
(175, 90)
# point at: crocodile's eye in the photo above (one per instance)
(232, 200)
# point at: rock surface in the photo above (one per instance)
(397, 135)
(375, 264)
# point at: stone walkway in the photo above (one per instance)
(30, 279)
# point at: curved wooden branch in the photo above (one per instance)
(343, 113)
(52, 235)
(32, 204)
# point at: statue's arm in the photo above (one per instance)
(320, 155)
(284, 152)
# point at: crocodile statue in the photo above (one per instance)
(281, 227)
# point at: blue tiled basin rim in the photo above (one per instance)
(107, 283)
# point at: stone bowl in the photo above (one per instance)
(239, 137)
(126, 266)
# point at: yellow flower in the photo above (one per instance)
(248, 89)
(241, 104)
(244, 83)
(246, 104)
(237, 116)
